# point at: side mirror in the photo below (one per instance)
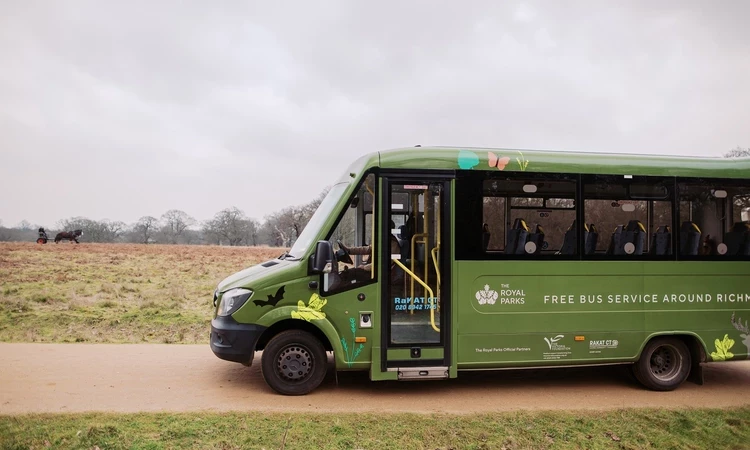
(323, 257)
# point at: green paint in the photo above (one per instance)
(515, 313)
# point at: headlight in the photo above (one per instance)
(232, 299)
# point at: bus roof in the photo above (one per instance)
(513, 160)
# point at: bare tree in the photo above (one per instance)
(175, 222)
(230, 226)
(93, 230)
(738, 152)
(253, 231)
(145, 228)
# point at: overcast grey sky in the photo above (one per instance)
(112, 109)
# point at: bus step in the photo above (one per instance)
(422, 373)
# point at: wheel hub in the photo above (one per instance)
(663, 364)
(294, 363)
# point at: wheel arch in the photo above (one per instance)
(693, 342)
(293, 324)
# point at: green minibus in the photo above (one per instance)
(424, 262)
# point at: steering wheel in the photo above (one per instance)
(342, 255)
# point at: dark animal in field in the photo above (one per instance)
(69, 235)
(42, 239)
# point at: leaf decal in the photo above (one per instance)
(722, 352)
(316, 302)
(313, 310)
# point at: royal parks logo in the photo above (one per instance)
(505, 296)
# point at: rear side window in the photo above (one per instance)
(714, 219)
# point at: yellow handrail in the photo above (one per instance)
(413, 258)
(432, 295)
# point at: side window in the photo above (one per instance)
(628, 216)
(353, 240)
(528, 215)
(714, 218)
(741, 208)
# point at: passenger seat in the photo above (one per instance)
(570, 240)
(634, 233)
(661, 242)
(592, 238)
(690, 238)
(738, 239)
(517, 237)
(537, 237)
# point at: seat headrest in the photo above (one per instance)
(689, 226)
(741, 227)
(539, 229)
(592, 228)
(520, 224)
(635, 225)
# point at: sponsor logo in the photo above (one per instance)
(553, 343)
(603, 343)
(556, 350)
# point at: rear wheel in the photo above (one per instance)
(294, 362)
(664, 364)
(40, 241)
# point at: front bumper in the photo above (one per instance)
(234, 341)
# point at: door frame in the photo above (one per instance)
(390, 178)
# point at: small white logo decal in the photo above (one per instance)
(486, 296)
(553, 341)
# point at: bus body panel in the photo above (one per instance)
(530, 312)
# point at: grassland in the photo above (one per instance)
(624, 429)
(114, 293)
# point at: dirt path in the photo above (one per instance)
(130, 378)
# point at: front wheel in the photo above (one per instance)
(664, 364)
(294, 362)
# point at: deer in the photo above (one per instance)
(744, 331)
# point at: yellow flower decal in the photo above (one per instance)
(311, 311)
(722, 352)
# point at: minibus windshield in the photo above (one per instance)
(325, 209)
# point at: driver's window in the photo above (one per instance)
(352, 240)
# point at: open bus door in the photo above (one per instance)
(416, 304)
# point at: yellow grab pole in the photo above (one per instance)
(432, 295)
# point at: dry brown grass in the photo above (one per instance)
(114, 292)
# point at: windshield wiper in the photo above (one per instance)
(283, 255)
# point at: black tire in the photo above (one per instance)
(294, 362)
(664, 364)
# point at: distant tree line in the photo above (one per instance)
(230, 226)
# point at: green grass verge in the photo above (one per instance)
(619, 429)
